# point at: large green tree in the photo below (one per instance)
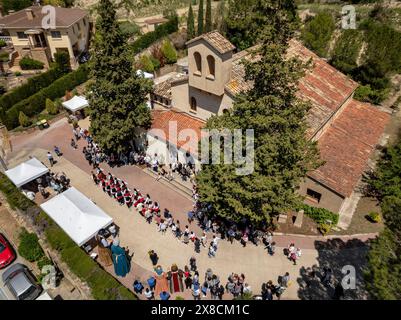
(282, 154)
(383, 273)
(117, 94)
(208, 17)
(200, 18)
(190, 24)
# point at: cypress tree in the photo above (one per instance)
(190, 24)
(208, 24)
(282, 153)
(200, 18)
(117, 94)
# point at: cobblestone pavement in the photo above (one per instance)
(140, 236)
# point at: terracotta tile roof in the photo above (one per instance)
(216, 40)
(162, 119)
(324, 86)
(64, 18)
(347, 145)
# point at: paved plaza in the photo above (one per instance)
(140, 237)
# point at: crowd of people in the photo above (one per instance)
(151, 211)
(161, 285)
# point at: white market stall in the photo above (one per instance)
(77, 215)
(26, 172)
(144, 74)
(76, 103)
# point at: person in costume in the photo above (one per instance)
(120, 261)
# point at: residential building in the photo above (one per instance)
(347, 131)
(33, 33)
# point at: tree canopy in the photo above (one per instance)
(383, 273)
(282, 154)
(317, 33)
(208, 16)
(117, 95)
(243, 22)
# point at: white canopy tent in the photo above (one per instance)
(26, 172)
(76, 103)
(77, 215)
(144, 74)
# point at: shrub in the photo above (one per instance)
(161, 31)
(169, 52)
(155, 62)
(51, 107)
(4, 56)
(324, 228)
(62, 60)
(23, 120)
(17, 74)
(367, 94)
(346, 50)
(27, 63)
(129, 29)
(2, 43)
(37, 102)
(374, 217)
(320, 215)
(146, 64)
(29, 247)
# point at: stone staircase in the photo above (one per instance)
(181, 187)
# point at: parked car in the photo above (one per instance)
(21, 283)
(7, 254)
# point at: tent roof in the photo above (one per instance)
(144, 74)
(77, 215)
(76, 103)
(26, 172)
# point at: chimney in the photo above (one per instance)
(29, 14)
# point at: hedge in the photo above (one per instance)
(320, 215)
(37, 103)
(103, 285)
(27, 63)
(32, 86)
(160, 32)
